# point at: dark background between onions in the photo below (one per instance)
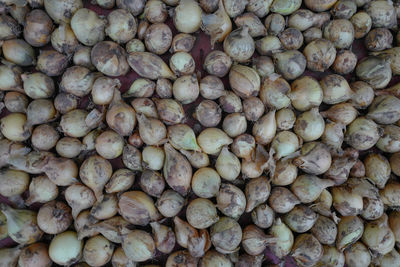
(201, 48)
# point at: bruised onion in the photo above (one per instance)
(36, 255)
(375, 71)
(197, 159)
(300, 219)
(211, 87)
(63, 39)
(51, 62)
(170, 111)
(384, 109)
(82, 57)
(362, 134)
(256, 192)
(378, 236)
(41, 190)
(182, 42)
(231, 201)
(121, 26)
(285, 172)
(324, 230)
(181, 258)
(158, 38)
(206, 182)
(164, 88)
(307, 250)
(226, 235)
(38, 27)
(382, 14)
(54, 217)
(306, 93)
(282, 200)
(137, 207)
(201, 213)
(340, 32)
(109, 58)
(138, 246)
(291, 64)
(170, 203)
(320, 54)
(44, 137)
(182, 63)
(88, 26)
(357, 255)
(263, 65)
(9, 27)
(265, 128)
(217, 63)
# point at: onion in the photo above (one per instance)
(363, 94)
(82, 57)
(256, 192)
(265, 128)
(9, 28)
(320, 54)
(382, 14)
(181, 258)
(357, 255)
(196, 159)
(51, 62)
(206, 182)
(315, 158)
(309, 187)
(113, 229)
(65, 248)
(393, 55)
(63, 39)
(121, 26)
(350, 229)
(187, 18)
(362, 23)
(373, 208)
(41, 190)
(153, 68)
(341, 166)
(394, 160)
(119, 259)
(335, 89)
(346, 202)
(234, 7)
(390, 259)
(234, 124)
(170, 111)
(182, 63)
(10, 77)
(35, 255)
(377, 169)
(19, 52)
(230, 102)
(384, 109)
(285, 143)
(54, 217)
(182, 42)
(358, 170)
(344, 9)
(13, 182)
(21, 225)
(211, 87)
(362, 134)
(300, 219)
(307, 251)
(282, 200)
(324, 230)
(137, 207)
(153, 157)
(262, 161)
(164, 237)
(38, 85)
(333, 136)
(211, 140)
(208, 113)
(340, 32)
(269, 45)
(105, 209)
(138, 246)
(13, 127)
(284, 236)
(243, 146)
(263, 216)
(65, 103)
(332, 257)
(217, 63)
(16, 102)
(312, 34)
(285, 173)
(379, 39)
(291, 64)
(109, 58)
(309, 125)
(201, 213)
(132, 158)
(186, 89)
(177, 170)
(158, 38)
(134, 45)
(77, 80)
(79, 197)
(183, 231)
(375, 71)
(285, 7)
(226, 235)
(378, 236)
(227, 165)
(254, 241)
(164, 88)
(239, 45)
(274, 91)
(256, 27)
(343, 113)
(275, 23)
(306, 93)
(120, 116)
(218, 25)
(38, 27)
(263, 65)
(152, 183)
(97, 251)
(231, 201)
(214, 258)
(389, 194)
(10, 256)
(88, 26)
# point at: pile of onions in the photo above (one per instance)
(257, 142)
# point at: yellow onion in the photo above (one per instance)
(158, 38)
(346, 202)
(389, 194)
(274, 92)
(230, 102)
(285, 172)
(255, 167)
(373, 208)
(152, 131)
(79, 197)
(206, 182)
(239, 45)
(18, 52)
(268, 45)
(181, 258)
(51, 62)
(284, 236)
(138, 246)
(201, 213)
(335, 89)
(153, 157)
(394, 160)
(54, 217)
(254, 241)
(140, 88)
(182, 42)
(291, 64)
(231, 201)
(38, 85)
(226, 235)
(343, 113)
(309, 125)
(41, 190)
(375, 71)
(256, 192)
(384, 109)
(88, 26)
(324, 230)
(105, 209)
(208, 113)
(342, 165)
(13, 127)
(340, 32)
(151, 182)
(265, 128)
(13, 182)
(64, 40)
(197, 159)
(350, 229)
(362, 134)
(177, 170)
(315, 158)
(16, 102)
(217, 63)
(243, 146)
(137, 207)
(82, 57)
(300, 219)
(377, 169)
(256, 27)
(97, 251)
(218, 25)
(35, 255)
(333, 136)
(65, 248)
(120, 116)
(357, 255)
(149, 66)
(187, 17)
(285, 143)
(332, 257)
(263, 216)
(132, 158)
(109, 58)
(306, 93)
(307, 251)
(309, 187)
(282, 200)
(263, 65)
(382, 14)
(320, 54)
(227, 165)
(164, 237)
(378, 236)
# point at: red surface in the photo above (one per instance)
(201, 48)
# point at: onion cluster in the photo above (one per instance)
(284, 137)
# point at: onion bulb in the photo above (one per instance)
(309, 187)
(13, 182)
(384, 109)
(137, 207)
(307, 251)
(350, 229)
(357, 255)
(187, 17)
(332, 257)
(218, 25)
(282, 200)
(284, 236)
(197, 159)
(325, 230)
(217, 63)
(375, 71)
(227, 165)
(362, 134)
(254, 241)
(201, 213)
(340, 32)
(54, 217)
(306, 93)
(206, 182)
(138, 246)
(65, 248)
(231, 200)
(42, 190)
(320, 55)
(300, 219)
(309, 125)
(35, 255)
(97, 251)
(244, 81)
(88, 27)
(335, 89)
(79, 197)
(378, 236)
(256, 192)
(226, 235)
(239, 45)
(21, 225)
(377, 169)
(164, 237)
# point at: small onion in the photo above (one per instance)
(18, 52)
(309, 125)
(320, 54)
(51, 62)
(274, 92)
(377, 169)
(239, 45)
(300, 219)
(375, 71)
(217, 63)
(282, 200)
(54, 217)
(134, 45)
(44, 137)
(38, 85)
(343, 113)
(186, 89)
(121, 26)
(382, 14)
(306, 93)
(82, 57)
(312, 34)
(324, 230)
(384, 109)
(38, 27)
(41, 190)
(285, 173)
(350, 229)
(206, 182)
(16, 102)
(226, 235)
(201, 213)
(35, 255)
(230, 102)
(182, 63)
(291, 64)
(63, 39)
(231, 201)
(307, 251)
(285, 238)
(227, 165)
(218, 25)
(182, 42)
(335, 89)
(362, 134)
(275, 23)
(109, 58)
(88, 26)
(97, 251)
(158, 38)
(265, 128)
(208, 113)
(170, 203)
(211, 87)
(13, 182)
(151, 182)
(285, 143)
(340, 32)
(138, 246)
(357, 255)
(187, 18)
(153, 157)
(378, 236)
(263, 65)
(285, 119)
(256, 27)
(65, 248)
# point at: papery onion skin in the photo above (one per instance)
(65, 248)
